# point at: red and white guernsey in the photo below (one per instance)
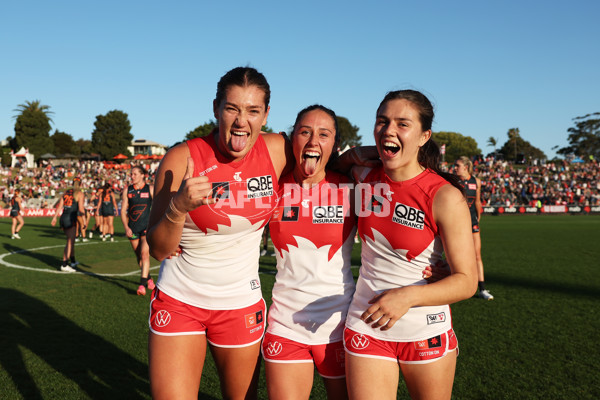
(399, 239)
(313, 233)
(218, 266)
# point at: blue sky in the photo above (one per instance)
(487, 66)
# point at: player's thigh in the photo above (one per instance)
(71, 232)
(371, 378)
(418, 378)
(289, 380)
(175, 365)
(144, 249)
(135, 243)
(238, 369)
(477, 242)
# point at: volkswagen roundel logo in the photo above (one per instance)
(359, 342)
(274, 348)
(162, 318)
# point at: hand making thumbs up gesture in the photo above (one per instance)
(194, 191)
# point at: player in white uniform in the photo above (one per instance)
(313, 233)
(214, 206)
(410, 214)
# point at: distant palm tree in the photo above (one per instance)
(33, 106)
(492, 142)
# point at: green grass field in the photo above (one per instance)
(84, 336)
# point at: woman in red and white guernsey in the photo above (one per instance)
(312, 230)
(213, 197)
(411, 212)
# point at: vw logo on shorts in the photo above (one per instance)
(359, 342)
(162, 318)
(274, 348)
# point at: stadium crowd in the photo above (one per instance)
(41, 186)
(554, 183)
(503, 182)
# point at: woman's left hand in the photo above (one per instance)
(387, 308)
(434, 273)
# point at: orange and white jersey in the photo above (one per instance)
(313, 234)
(218, 266)
(399, 239)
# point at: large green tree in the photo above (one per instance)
(32, 127)
(112, 134)
(456, 145)
(348, 133)
(64, 143)
(202, 130)
(516, 148)
(83, 146)
(584, 137)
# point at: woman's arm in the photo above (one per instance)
(366, 156)
(124, 208)
(58, 207)
(80, 207)
(478, 206)
(115, 205)
(451, 214)
(177, 191)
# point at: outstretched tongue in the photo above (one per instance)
(310, 165)
(238, 142)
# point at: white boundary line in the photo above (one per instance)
(52, 271)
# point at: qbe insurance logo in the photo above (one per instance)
(328, 214)
(408, 216)
(260, 186)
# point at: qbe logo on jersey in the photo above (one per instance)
(328, 214)
(408, 216)
(260, 186)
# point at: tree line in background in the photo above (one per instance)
(112, 135)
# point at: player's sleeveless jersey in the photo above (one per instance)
(106, 207)
(15, 208)
(399, 239)
(313, 233)
(470, 186)
(218, 266)
(138, 212)
(68, 217)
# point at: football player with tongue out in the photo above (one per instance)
(210, 295)
(313, 233)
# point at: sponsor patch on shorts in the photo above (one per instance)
(253, 319)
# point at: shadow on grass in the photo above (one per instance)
(47, 259)
(576, 290)
(120, 282)
(97, 367)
